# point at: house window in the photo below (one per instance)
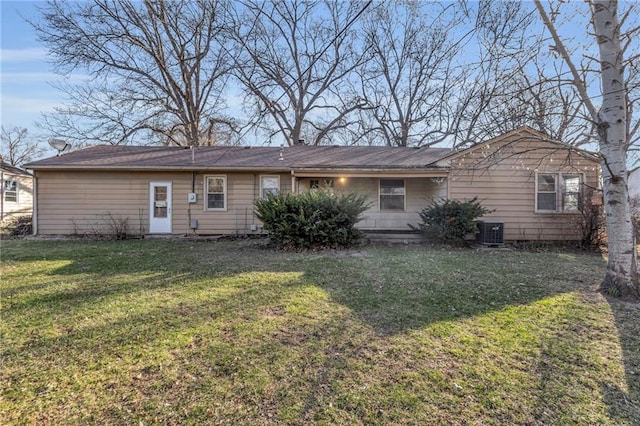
(558, 192)
(216, 192)
(391, 194)
(10, 190)
(269, 185)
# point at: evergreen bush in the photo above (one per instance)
(449, 221)
(312, 219)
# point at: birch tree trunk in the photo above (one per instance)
(614, 140)
(622, 269)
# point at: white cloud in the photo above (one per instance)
(30, 54)
(29, 105)
(17, 78)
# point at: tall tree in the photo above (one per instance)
(296, 59)
(156, 69)
(18, 147)
(612, 121)
(412, 78)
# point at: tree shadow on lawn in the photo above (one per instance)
(404, 290)
(121, 268)
(392, 292)
(119, 358)
(621, 401)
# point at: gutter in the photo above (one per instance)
(199, 168)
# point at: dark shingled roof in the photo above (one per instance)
(244, 157)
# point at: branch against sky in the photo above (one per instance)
(296, 59)
(18, 147)
(156, 69)
(483, 102)
(412, 76)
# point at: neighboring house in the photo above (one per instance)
(535, 186)
(17, 192)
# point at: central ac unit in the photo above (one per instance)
(490, 232)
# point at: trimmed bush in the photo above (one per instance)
(313, 219)
(449, 221)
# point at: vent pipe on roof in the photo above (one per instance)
(193, 155)
(281, 151)
(300, 142)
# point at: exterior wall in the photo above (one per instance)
(24, 204)
(77, 202)
(419, 193)
(503, 176)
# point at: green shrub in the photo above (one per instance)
(312, 219)
(449, 221)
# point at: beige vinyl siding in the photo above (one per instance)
(80, 202)
(419, 193)
(506, 184)
(24, 204)
(76, 202)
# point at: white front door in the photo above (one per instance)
(160, 208)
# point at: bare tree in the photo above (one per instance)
(412, 76)
(18, 147)
(537, 95)
(487, 103)
(612, 121)
(155, 69)
(296, 59)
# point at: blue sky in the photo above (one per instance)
(25, 73)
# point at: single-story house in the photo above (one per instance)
(534, 185)
(17, 193)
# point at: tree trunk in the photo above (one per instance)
(622, 269)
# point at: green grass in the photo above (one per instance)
(178, 332)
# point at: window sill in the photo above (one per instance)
(550, 212)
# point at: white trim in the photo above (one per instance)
(404, 199)
(261, 195)
(559, 191)
(206, 193)
(16, 190)
(161, 225)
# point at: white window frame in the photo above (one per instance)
(404, 196)
(6, 191)
(262, 178)
(559, 192)
(206, 192)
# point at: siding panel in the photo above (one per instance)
(505, 183)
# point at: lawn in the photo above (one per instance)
(230, 332)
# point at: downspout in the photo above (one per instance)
(193, 190)
(34, 201)
(2, 196)
(294, 190)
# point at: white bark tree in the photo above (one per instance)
(612, 120)
(154, 68)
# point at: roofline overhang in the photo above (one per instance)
(157, 168)
(370, 172)
(298, 171)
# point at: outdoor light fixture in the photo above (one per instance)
(59, 145)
